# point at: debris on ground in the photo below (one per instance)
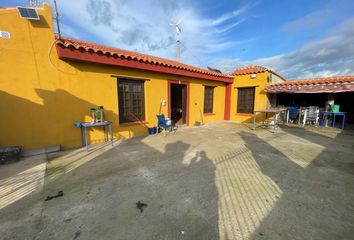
(77, 234)
(10, 154)
(140, 206)
(60, 194)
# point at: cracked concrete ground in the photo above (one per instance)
(218, 181)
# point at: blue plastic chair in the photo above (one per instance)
(164, 124)
(293, 113)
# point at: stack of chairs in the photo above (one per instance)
(312, 115)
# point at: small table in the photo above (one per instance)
(275, 113)
(334, 114)
(85, 125)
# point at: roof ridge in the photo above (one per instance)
(251, 69)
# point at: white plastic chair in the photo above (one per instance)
(312, 114)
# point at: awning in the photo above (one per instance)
(316, 85)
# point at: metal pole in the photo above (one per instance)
(57, 17)
(178, 49)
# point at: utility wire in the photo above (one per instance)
(194, 56)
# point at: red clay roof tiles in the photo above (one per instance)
(138, 58)
(249, 70)
(315, 81)
(314, 85)
(253, 69)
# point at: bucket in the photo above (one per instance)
(335, 108)
(152, 130)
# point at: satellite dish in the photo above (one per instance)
(214, 69)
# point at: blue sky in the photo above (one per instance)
(297, 38)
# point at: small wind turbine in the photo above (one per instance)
(178, 41)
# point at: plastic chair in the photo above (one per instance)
(292, 114)
(312, 114)
(164, 124)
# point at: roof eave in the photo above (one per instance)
(321, 88)
(65, 53)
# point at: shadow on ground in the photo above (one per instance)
(314, 201)
(218, 181)
(100, 196)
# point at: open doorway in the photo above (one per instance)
(178, 103)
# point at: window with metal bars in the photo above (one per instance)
(245, 100)
(131, 100)
(208, 99)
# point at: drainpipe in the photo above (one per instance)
(228, 88)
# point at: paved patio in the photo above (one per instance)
(218, 181)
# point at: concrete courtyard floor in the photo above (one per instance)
(217, 181)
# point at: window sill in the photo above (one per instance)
(133, 123)
(244, 114)
(209, 114)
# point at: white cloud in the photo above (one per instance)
(231, 26)
(144, 25)
(68, 31)
(229, 16)
(330, 56)
(309, 21)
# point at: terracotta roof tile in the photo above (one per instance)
(85, 46)
(249, 70)
(315, 81)
(253, 69)
(314, 85)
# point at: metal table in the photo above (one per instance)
(85, 125)
(274, 112)
(334, 114)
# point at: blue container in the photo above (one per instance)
(77, 124)
(152, 130)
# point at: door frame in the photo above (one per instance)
(169, 82)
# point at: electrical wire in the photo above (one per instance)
(194, 56)
(51, 62)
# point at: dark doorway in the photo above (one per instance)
(178, 103)
(345, 101)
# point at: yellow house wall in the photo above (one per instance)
(260, 101)
(41, 96)
(197, 102)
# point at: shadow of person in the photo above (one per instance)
(312, 200)
(101, 195)
(188, 196)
